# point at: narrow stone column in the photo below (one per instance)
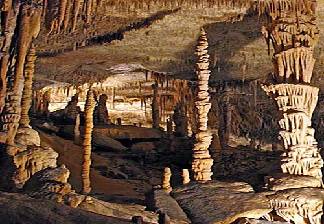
(77, 138)
(166, 181)
(155, 107)
(202, 161)
(88, 110)
(185, 176)
(28, 85)
(293, 33)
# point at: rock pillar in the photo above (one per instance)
(293, 33)
(202, 161)
(89, 108)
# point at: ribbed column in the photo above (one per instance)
(293, 33)
(88, 110)
(202, 161)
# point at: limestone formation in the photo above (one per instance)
(155, 107)
(101, 111)
(28, 26)
(294, 35)
(72, 110)
(77, 137)
(180, 121)
(27, 92)
(86, 163)
(202, 161)
(166, 180)
(185, 176)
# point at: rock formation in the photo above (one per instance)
(185, 176)
(293, 34)
(166, 180)
(77, 137)
(72, 110)
(101, 111)
(202, 161)
(27, 92)
(86, 163)
(180, 120)
(155, 107)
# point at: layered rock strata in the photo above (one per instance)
(202, 161)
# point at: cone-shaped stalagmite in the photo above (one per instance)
(202, 161)
(88, 110)
(27, 92)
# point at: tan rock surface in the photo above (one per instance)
(19, 208)
(223, 202)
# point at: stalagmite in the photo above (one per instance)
(166, 185)
(72, 109)
(202, 161)
(77, 137)
(101, 111)
(29, 25)
(155, 107)
(185, 176)
(89, 108)
(293, 32)
(27, 92)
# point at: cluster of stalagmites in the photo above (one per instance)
(202, 161)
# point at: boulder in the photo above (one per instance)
(27, 136)
(163, 202)
(19, 208)
(123, 211)
(221, 202)
(286, 181)
(102, 141)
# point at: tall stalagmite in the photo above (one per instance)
(28, 91)
(202, 161)
(88, 110)
(28, 29)
(293, 33)
(155, 107)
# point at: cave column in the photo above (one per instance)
(294, 34)
(155, 107)
(202, 161)
(88, 110)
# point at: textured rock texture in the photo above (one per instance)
(202, 161)
(19, 208)
(223, 202)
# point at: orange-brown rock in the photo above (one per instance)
(86, 163)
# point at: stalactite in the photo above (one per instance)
(202, 161)
(89, 108)
(27, 92)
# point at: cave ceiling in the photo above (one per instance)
(162, 38)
